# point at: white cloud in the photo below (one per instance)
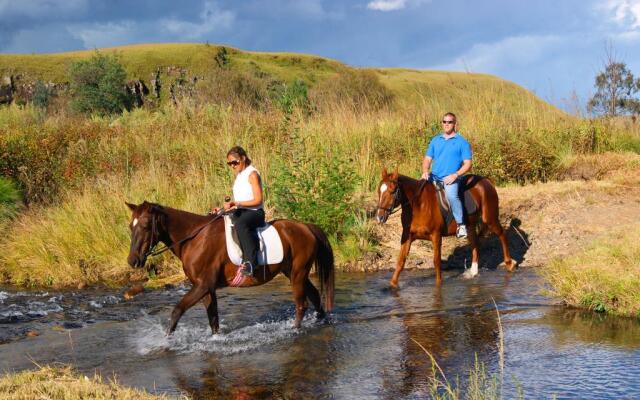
(392, 5)
(387, 5)
(625, 13)
(212, 18)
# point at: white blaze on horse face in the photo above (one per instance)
(383, 188)
(135, 222)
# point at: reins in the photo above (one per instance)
(153, 253)
(396, 196)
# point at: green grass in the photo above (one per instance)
(605, 277)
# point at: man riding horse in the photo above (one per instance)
(450, 155)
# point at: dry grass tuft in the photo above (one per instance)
(64, 383)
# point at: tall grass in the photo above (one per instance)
(77, 172)
(605, 277)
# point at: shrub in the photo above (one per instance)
(290, 96)
(356, 89)
(41, 95)
(231, 87)
(9, 199)
(98, 85)
(314, 187)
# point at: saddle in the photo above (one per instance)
(271, 251)
(469, 205)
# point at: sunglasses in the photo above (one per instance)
(448, 122)
(233, 163)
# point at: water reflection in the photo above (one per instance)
(365, 351)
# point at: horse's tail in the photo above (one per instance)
(324, 265)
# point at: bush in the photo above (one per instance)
(98, 86)
(290, 96)
(356, 89)
(234, 88)
(314, 187)
(9, 199)
(41, 95)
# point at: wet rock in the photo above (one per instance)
(72, 325)
(133, 291)
(82, 285)
(33, 334)
(169, 286)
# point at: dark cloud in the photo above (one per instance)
(537, 44)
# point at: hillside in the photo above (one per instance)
(143, 61)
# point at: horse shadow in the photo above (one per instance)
(490, 249)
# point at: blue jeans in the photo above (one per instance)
(451, 191)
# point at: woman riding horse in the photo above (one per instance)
(248, 204)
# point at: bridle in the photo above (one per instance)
(155, 235)
(396, 204)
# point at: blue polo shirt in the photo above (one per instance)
(447, 154)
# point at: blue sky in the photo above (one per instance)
(553, 48)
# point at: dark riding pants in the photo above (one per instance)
(246, 222)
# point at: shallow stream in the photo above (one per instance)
(364, 350)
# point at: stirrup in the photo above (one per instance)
(247, 268)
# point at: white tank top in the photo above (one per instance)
(242, 190)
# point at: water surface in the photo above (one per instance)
(364, 350)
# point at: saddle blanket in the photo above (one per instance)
(271, 251)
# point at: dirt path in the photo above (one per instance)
(555, 219)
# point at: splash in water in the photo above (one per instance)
(151, 337)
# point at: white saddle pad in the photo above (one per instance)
(271, 251)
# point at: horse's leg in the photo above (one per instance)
(314, 296)
(192, 297)
(473, 240)
(211, 304)
(496, 228)
(402, 257)
(436, 240)
(298, 277)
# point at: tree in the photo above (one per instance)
(616, 87)
(99, 85)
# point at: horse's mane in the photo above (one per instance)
(181, 213)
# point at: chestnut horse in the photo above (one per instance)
(422, 219)
(199, 242)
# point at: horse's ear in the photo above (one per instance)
(394, 175)
(132, 207)
(384, 172)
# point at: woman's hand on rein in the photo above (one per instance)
(228, 205)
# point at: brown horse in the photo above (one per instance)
(422, 219)
(199, 242)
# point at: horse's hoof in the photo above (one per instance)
(511, 266)
(393, 285)
(320, 315)
(469, 274)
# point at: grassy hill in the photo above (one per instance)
(76, 171)
(143, 60)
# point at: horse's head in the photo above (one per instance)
(388, 195)
(144, 225)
